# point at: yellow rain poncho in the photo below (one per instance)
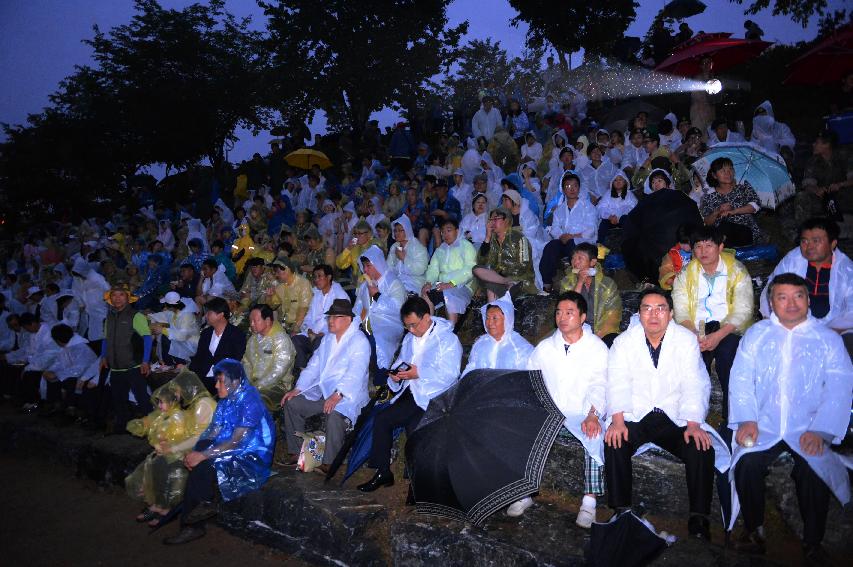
(160, 479)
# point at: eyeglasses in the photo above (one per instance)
(659, 309)
(410, 326)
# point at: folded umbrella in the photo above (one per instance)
(482, 444)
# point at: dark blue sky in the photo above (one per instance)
(40, 40)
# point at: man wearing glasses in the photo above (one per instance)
(658, 392)
(428, 364)
(505, 259)
(314, 326)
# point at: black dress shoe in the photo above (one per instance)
(379, 479)
(186, 535)
(752, 543)
(200, 513)
(699, 527)
(815, 555)
(410, 497)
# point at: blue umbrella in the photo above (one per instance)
(765, 171)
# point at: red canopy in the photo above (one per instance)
(827, 62)
(724, 51)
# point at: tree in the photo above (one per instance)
(800, 11)
(351, 59)
(569, 27)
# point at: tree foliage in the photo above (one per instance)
(351, 59)
(800, 11)
(571, 26)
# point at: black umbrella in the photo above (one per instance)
(625, 541)
(681, 9)
(482, 444)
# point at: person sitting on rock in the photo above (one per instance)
(678, 256)
(334, 382)
(233, 455)
(573, 361)
(600, 292)
(449, 270)
(428, 364)
(658, 392)
(713, 298)
(829, 272)
(790, 391)
(269, 357)
(501, 347)
(505, 259)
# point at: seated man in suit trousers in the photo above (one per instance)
(219, 340)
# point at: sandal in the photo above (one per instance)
(147, 515)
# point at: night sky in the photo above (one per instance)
(40, 41)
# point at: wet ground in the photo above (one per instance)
(50, 518)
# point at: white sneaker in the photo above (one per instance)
(586, 516)
(516, 509)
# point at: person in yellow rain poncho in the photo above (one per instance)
(183, 411)
(243, 248)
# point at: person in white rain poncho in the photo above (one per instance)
(334, 382)
(89, 288)
(767, 132)
(214, 282)
(377, 304)
(598, 173)
(790, 391)
(449, 270)
(462, 191)
(178, 321)
(75, 364)
(658, 391)
(486, 120)
(407, 257)
(573, 361)
(376, 215)
(501, 346)
(473, 224)
(575, 220)
(37, 350)
(166, 236)
(428, 364)
(531, 150)
(829, 272)
(615, 204)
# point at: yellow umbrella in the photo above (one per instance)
(305, 158)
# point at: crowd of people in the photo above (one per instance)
(305, 291)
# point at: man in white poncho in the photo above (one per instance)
(790, 391)
(501, 346)
(377, 304)
(573, 361)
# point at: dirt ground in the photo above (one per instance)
(53, 519)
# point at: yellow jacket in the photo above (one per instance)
(607, 307)
(269, 364)
(739, 295)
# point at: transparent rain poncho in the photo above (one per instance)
(241, 437)
(410, 271)
(510, 353)
(160, 479)
(269, 364)
(790, 382)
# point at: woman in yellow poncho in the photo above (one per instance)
(184, 409)
(243, 248)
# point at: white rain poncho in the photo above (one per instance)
(218, 284)
(377, 217)
(463, 193)
(768, 133)
(409, 271)
(583, 218)
(680, 384)
(473, 227)
(576, 380)
(76, 360)
(339, 366)
(609, 205)
(184, 331)
(224, 212)
(534, 151)
(673, 139)
(327, 225)
(196, 230)
(647, 184)
(509, 353)
(554, 158)
(70, 314)
(790, 382)
(840, 316)
(166, 236)
(597, 180)
(381, 318)
(633, 156)
(89, 288)
(438, 363)
(531, 228)
(38, 352)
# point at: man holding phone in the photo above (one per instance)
(428, 364)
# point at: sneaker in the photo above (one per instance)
(516, 509)
(586, 516)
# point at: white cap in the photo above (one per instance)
(171, 298)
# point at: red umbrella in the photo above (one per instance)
(827, 62)
(724, 51)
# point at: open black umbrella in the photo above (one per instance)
(681, 9)
(482, 444)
